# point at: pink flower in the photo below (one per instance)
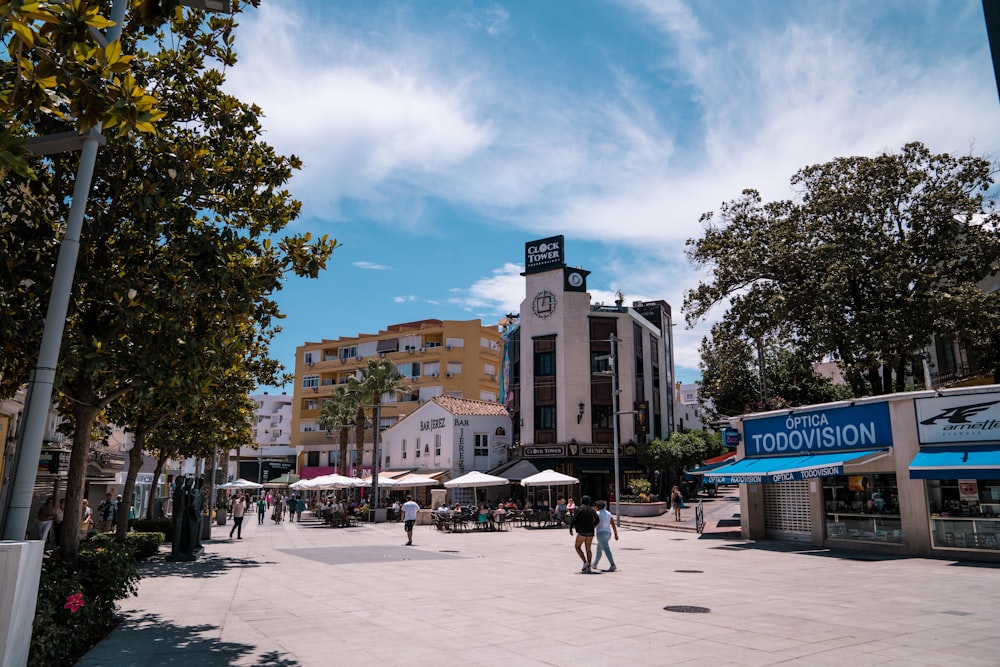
(74, 602)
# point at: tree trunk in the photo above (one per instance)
(85, 413)
(345, 433)
(359, 437)
(134, 463)
(161, 460)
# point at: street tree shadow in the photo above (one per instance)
(148, 639)
(207, 566)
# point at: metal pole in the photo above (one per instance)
(375, 460)
(614, 403)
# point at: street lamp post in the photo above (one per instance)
(614, 422)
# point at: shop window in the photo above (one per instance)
(312, 458)
(862, 508)
(482, 447)
(965, 513)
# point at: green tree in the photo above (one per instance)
(337, 414)
(378, 379)
(874, 257)
(681, 451)
(56, 69)
(730, 383)
(184, 247)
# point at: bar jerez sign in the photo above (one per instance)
(819, 431)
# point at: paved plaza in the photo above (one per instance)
(303, 595)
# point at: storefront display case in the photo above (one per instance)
(964, 513)
(863, 508)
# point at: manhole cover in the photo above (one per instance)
(690, 571)
(685, 609)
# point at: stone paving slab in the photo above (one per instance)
(299, 595)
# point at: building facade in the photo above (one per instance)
(446, 437)
(453, 358)
(915, 474)
(563, 358)
(273, 455)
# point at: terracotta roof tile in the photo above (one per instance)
(467, 406)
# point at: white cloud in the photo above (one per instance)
(371, 266)
(405, 299)
(500, 293)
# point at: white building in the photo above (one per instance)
(688, 413)
(274, 455)
(447, 437)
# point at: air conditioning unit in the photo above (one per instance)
(421, 349)
(449, 375)
(409, 350)
(343, 360)
(381, 355)
(448, 347)
(434, 375)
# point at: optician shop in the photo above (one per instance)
(913, 474)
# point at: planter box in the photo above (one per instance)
(639, 509)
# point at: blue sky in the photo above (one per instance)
(438, 137)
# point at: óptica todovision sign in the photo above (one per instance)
(819, 431)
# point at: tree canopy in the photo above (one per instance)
(874, 257)
(181, 257)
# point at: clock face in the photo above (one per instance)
(544, 304)
(575, 279)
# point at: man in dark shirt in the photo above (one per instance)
(584, 523)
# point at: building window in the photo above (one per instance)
(437, 445)
(308, 358)
(482, 445)
(417, 455)
(545, 417)
(545, 364)
(311, 404)
(312, 458)
(310, 381)
(862, 508)
(348, 352)
(454, 367)
(308, 427)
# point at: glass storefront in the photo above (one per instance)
(862, 507)
(965, 513)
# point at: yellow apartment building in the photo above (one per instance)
(437, 357)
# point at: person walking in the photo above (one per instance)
(261, 510)
(584, 522)
(46, 516)
(106, 511)
(605, 526)
(410, 508)
(676, 500)
(239, 510)
(293, 504)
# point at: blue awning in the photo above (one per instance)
(979, 462)
(774, 469)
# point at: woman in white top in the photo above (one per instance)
(605, 526)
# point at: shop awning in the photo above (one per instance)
(713, 463)
(774, 469)
(979, 462)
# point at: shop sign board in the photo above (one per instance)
(962, 418)
(556, 450)
(731, 438)
(819, 431)
(544, 254)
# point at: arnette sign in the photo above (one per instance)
(958, 419)
(818, 431)
(544, 254)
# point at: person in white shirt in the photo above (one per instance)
(410, 509)
(605, 525)
(239, 509)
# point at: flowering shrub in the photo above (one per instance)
(76, 604)
(640, 487)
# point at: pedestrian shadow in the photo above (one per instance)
(145, 638)
(206, 567)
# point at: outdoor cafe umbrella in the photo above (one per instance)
(549, 478)
(325, 482)
(473, 480)
(240, 484)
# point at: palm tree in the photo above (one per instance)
(338, 414)
(378, 379)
